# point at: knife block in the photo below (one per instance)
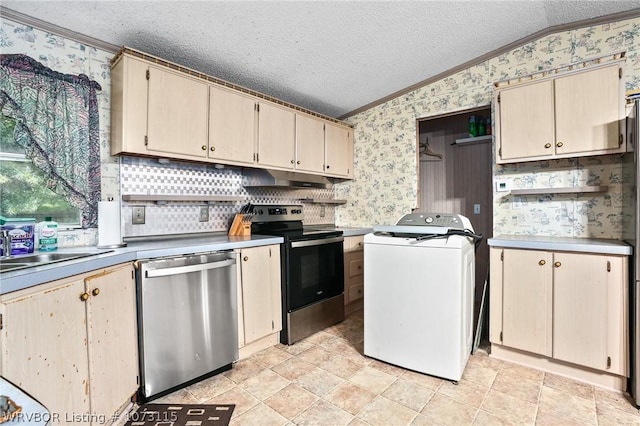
(241, 225)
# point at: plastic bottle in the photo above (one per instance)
(47, 235)
(473, 127)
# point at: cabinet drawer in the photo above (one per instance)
(354, 243)
(356, 292)
(355, 267)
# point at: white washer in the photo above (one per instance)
(418, 294)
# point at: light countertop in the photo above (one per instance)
(28, 277)
(584, 245)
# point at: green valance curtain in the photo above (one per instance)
(57, 124)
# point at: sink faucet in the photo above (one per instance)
(6, 244)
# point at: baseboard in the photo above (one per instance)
(260, 344)
(353, 306)
(539, 362)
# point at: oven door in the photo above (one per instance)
(315, 271)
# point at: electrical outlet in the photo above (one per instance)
(322, 211)
(138, 215)
(204, 214)
(476, 209)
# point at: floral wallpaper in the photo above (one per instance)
(70, 57)
(385, 155)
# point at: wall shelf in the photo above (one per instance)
(163, 199)
(321, 201)
(473, 140)
(562, 190)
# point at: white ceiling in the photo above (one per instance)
(332, 57)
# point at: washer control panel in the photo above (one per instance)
(446, 220)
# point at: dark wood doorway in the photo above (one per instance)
(461, 180)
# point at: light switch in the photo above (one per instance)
(476, 209)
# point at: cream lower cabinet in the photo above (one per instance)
(353, 272)
(259, 294)
(72, 343)
(570, 307)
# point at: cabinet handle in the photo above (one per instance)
(559, 144)
(96, 291)
(557, 264)
(84, 297)
(327, 166)
(298, 162)
(292, 162)
(547, 145)
(360, 244)
(204, 147)
(213, 148)
(542, 262)
(245, 258)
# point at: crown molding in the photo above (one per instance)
(621, 16)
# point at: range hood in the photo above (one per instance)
(262, 178)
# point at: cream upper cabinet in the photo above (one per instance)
(177, 114)
(157, 111)
(527, 301)
(72, 343)
(260, 313)
(309, 144)
(570, 307)
(589, 315)
(589, 111)
(526, 122)
(276, 136)
(578, 114)
(339, 151)
(232, 126)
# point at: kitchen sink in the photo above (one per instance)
(39, 259)
(11, 266)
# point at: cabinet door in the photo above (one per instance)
(588, 111)
(129, 87)
(112, 338)
(527, 300)
(526, 126)
(589, 311)
(261, 304)
(232, 130)
(339, 154)
(44, 346)
(309, 144)
(276, 136)
(177, 114)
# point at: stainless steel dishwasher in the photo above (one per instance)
(187, 319)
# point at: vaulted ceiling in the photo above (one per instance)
(332, 57)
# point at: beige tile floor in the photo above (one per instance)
(326, 380)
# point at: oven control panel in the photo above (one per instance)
(276, 212)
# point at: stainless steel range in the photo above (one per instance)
(312, 270)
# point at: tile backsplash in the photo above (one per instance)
(144, 176)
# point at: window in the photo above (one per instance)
(23, 187)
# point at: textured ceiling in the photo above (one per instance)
(332, 57)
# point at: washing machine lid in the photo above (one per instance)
(411, 230)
